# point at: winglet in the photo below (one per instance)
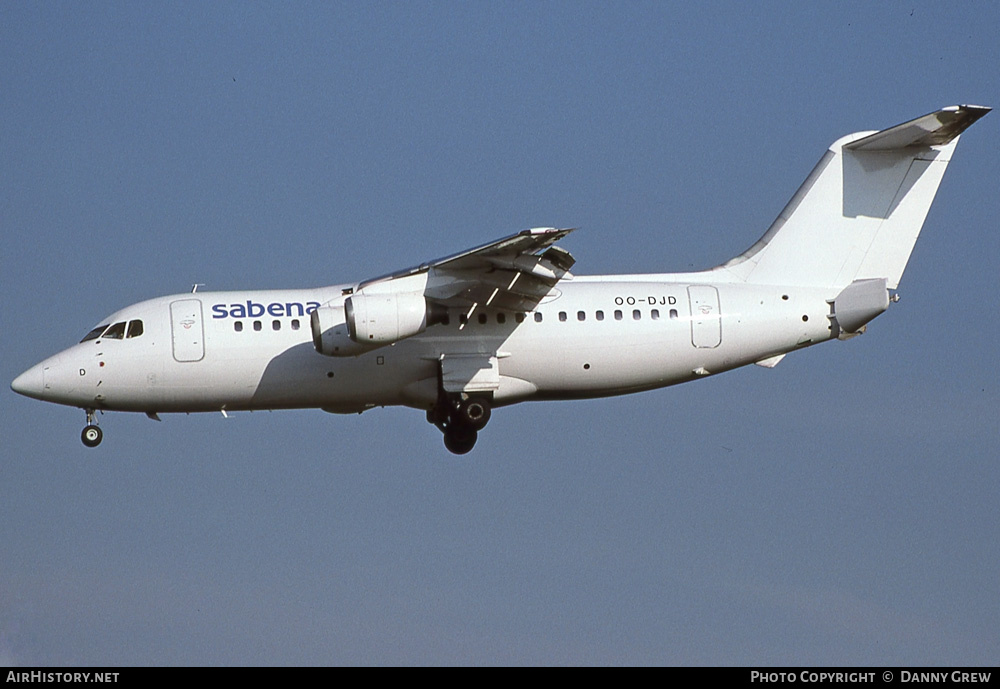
(935, 129)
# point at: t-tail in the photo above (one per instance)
(857, 216)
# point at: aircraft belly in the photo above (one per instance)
(302, 378)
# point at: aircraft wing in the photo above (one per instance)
(513, 273)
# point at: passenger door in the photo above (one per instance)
(706, 324)
(187, 330)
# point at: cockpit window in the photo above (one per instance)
(115, 332)
(95, 333)
(134, 329)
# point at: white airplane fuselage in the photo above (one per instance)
(597, 336)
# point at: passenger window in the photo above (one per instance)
(581, 315)
(636, 314)
(618, 314)
(482, 319)
(238, 326)
(655, 314)
(562, 316)
(115, 332)
(673, 314)
(599, 315)
(134, 329)
(519, 317)
(538, 316)
(463, 319)
(295, 324)
(257, 326)
(95, 333)
(276, 325)
(444, 321)
(501, 318)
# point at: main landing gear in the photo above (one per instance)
(460, 418)
(92, 434)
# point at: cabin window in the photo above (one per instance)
(599, 315)
(115, 332)
(501, 318)
(463, 319)
(562, 316)
(538, 316)
(134, 329)
(482, 318)
(95, 333)
(636, 314)
(295, 324)
(618, 314)
(655, 314)
(581, 315)
(519, 317)
(673, 314)
(257, 326)
(238, 326)
(275, 325)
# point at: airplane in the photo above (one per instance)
(508, 322)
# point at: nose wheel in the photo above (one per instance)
(92, 435)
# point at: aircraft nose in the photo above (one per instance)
(31, 383)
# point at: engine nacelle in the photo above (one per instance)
(381, 319)
(330, 333)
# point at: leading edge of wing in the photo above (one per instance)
(523, 242)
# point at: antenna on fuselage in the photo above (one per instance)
(195, 286)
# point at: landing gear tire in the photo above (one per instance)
(474, 413)
(92, 436)
(459, 439)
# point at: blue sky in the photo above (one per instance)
(838, 509)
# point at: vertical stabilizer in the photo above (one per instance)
(858, 214)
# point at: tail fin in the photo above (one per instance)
(858, 214)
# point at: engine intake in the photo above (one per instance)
(330, 333)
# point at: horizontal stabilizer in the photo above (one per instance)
(935, 129)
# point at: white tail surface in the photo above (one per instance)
(858, 214)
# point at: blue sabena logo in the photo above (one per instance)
(252, 309)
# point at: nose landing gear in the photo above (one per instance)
(92, 434)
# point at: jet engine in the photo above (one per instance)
(369, 321)
(385, 318)
(330, 333)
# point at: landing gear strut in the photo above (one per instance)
(459, 417)
(92, 434)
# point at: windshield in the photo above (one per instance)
(95, 333)
(116, 331)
